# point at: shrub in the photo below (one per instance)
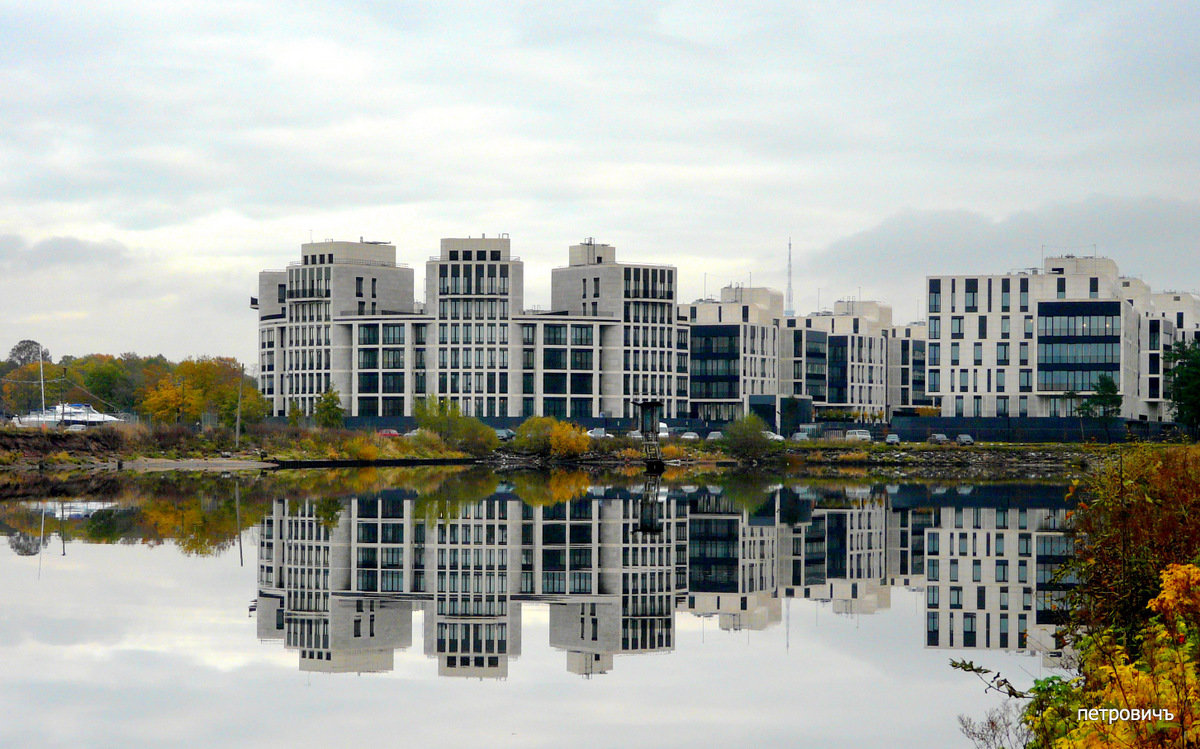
(171, 436)
(673, 452)
(856, 456)
(360, 448)
(744, 439)
(426, 444)
(442, 417)
(476, 438)
(568, 440)
(533, 436)
(1137, 515)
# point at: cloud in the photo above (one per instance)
(1155, 239)
(213, 138)
(18, 254)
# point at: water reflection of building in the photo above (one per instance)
(611, 566)
(339, 581)
(732, 560)
(990, 563)
(836, 550)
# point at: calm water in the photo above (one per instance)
(462, 609)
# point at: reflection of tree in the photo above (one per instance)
(110, 524)
(559, 486)
(329, 510)
(444, 500)
(23, 544)
(747, 490)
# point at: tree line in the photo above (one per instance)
(153, 387)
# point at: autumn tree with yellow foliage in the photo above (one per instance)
(545, 435)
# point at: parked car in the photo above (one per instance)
(599, 433)
(388, 433)
(858, 435)
(689, 436)
(939, 439)
(892, 439)
(772, 436)
(634, 435)
(801, 437)
(713, 436)
(505, 435)
(965, 439)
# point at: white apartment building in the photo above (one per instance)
(734, 351)
(616, 342)
(1035, 342)
(302, 353)
(645, 353)
(856, 364)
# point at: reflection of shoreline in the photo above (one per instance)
(339, 580)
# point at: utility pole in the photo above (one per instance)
(237, 429)
(42, 380)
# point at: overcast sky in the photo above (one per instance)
(155, 156)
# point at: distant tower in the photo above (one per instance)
(789, 310)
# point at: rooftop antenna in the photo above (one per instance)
(789, 310)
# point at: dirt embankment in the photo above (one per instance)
(32, 445)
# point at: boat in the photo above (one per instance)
(65, 415)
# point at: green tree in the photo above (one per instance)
(744, 439)
(789, 415)
(294, 415)
(28, 352)
(1183, 384)
(328, 411)
(442, 417)
(439, 415)
(1104, 403)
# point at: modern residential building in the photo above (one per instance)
(344, 318)
(1029, 343)
(734, 350)
(1035, 342)
(645, 352)
(302, 351)
(856, 358)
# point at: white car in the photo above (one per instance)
(599, 433)
(801, 437)
(858, 435)
(634, 435)
(713, 436)
(689, 437)
(772, 436)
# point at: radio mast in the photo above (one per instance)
(789, 310)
